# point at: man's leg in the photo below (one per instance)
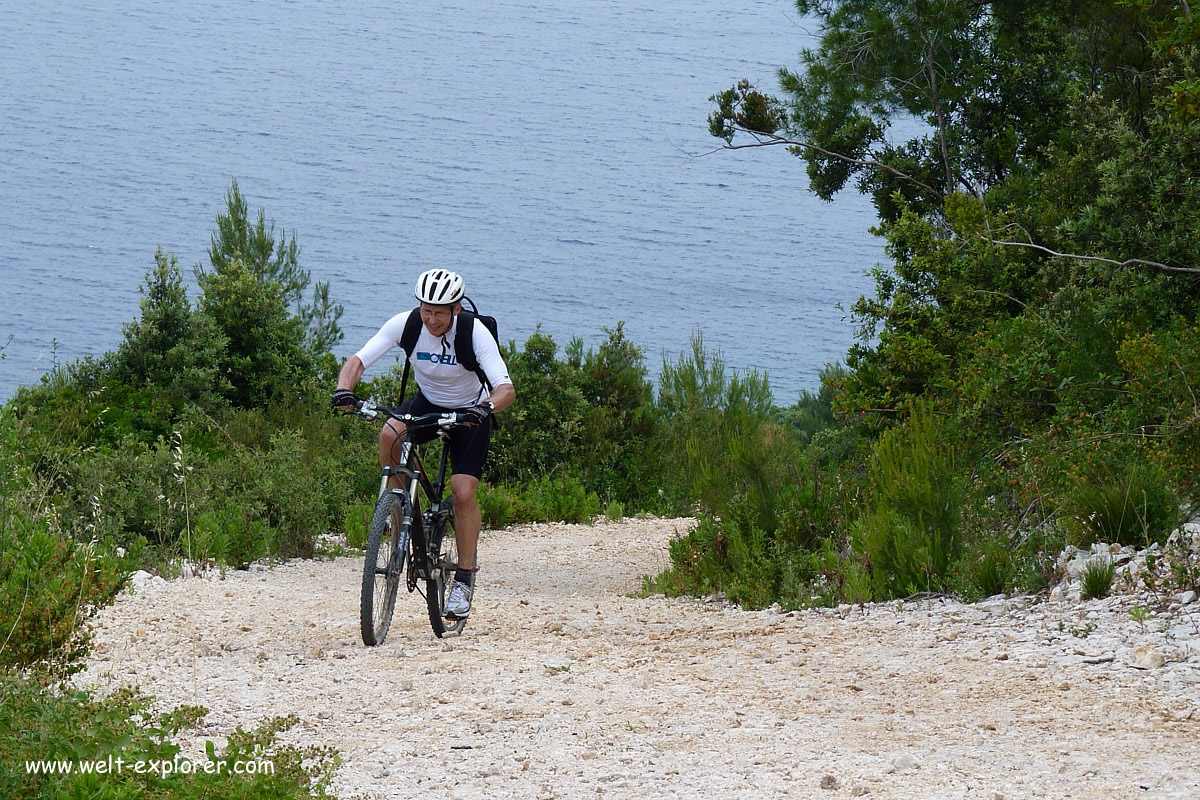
(466, 535)
(467, 519)
(391, 439)
(468, 454)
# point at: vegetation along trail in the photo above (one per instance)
(566, 685)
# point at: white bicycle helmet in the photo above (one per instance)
(440, 287)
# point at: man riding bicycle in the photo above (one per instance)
(444, 385)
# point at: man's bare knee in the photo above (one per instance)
(389, 435)
(463, 489)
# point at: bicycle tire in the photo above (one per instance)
(383, 566)
(443, 551)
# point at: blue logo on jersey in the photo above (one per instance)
(437, 358)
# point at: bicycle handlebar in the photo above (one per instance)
(369, 409)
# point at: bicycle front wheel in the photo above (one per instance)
(383, 567)
(443, 551)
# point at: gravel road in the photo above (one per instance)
(566, 686)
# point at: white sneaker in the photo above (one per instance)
(458, 602)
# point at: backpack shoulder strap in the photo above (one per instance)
(464, 341)
(464, 347)
(412, 329)
(408, 343)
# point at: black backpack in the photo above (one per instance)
(464, 346)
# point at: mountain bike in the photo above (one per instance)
(406, 542)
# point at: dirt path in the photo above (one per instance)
(564, 686)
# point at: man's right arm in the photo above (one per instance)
(351, 373)
(343, 395)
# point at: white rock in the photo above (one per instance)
(1078, 565)
(993, 609)
(1187, 597)
(905, 762)
(1147, 657)
(139, 579)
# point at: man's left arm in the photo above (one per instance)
(502, 397)
(492, 363)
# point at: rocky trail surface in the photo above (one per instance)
(565, 686)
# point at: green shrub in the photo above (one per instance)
(356, 521)
(614, 511)
(1122, 502)
(49, 586)
(720, 442)
(38, 724)
(543, 430)
(857, 586)
(754, 571)
(697, 563)
(209, 537)
(910, 537)
(264, 356)
(230, 536)
(249, 541)
(986, 569)
(557, 499)
(1096, 581)
(294, 485)
(733, 556)
(497, 505)
(147, 491)
(813, 413)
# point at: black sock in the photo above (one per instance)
(464, 576)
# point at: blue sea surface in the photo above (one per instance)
(556, 154)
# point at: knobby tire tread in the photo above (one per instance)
(438, 584)
(389, 508)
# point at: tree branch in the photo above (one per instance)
(1127, 262)
(767, 139)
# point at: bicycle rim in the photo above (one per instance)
(383, 567)
(444, 549)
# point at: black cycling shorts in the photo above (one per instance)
(468, 445)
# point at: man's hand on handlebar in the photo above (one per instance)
(475, 415)
(344, 399)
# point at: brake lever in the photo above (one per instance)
(367, 409)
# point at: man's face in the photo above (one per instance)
(438, 319)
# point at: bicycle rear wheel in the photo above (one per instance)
(443, 550)
(383, 567)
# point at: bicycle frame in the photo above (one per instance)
(419, 539)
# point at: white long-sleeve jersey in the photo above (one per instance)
(435, 365)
